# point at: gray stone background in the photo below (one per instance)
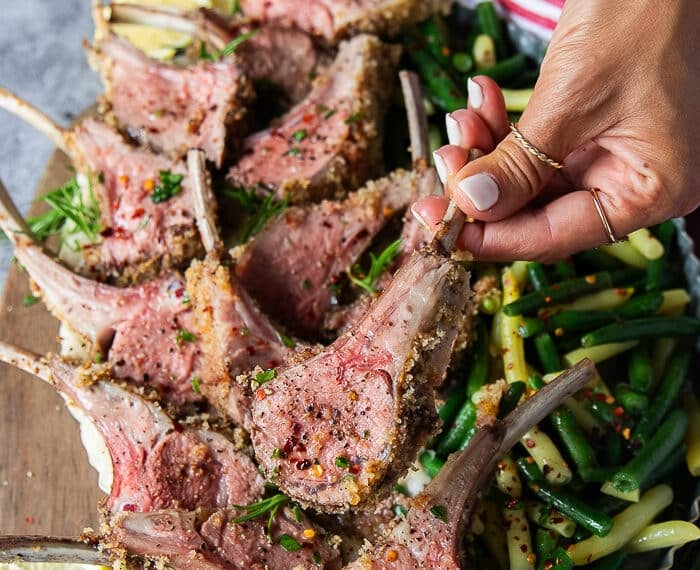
(41, 60)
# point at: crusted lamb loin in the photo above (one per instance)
(333, 19)
(140, 237)
(285, 56)
(142, 331)
(432, 534)
(292, 264)
(173, 108)
(367, 400)
(198, 540)
(331, 141)
(152, 463)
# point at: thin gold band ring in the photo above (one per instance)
(601, 214)
(532, 149)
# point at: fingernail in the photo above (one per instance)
(440, 166)
(454, 133)
(418, 217)
(476, 95)
(481, 189)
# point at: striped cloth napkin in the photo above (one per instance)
(536, 16)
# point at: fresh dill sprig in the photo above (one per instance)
(259, 207)
(378, 264)
(68, 205)
(263, 507)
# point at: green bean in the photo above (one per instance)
(504, 70)
(610, 562)
(674, 459)
(547, 352)
(575, 442)
(491, 24)
(574, 508)
(434, 32)
(567, 290)
(535, 381)
(526, 79)
(453, 403)
(613, 448)
(598, 260)
(462, 62)
(536, 275)
(531, 326)
(431, 463)
(439, 84)
(453, 437)
(558, 560)
(649, 327)
(597, 474)
(564, 270)
(479, 370)
(639, 369)
(664, 232)
(545, 542)
(471, 432)
(510, 399)
(652, 456)
(635, 403)
(640, 305)
(666, 394)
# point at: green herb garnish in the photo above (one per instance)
(29, 300)
(263, 507)
(184, 336)
(169, 186)
(289, 543)
(186, 298)
(439, 512)
(287, 341)
(378, 264)
(260, 204)
(292, 151)
(230, 47)
(98, 358)
(300, 135)
(400, 511)
(69, 212)
(316, 557)
(204, 53)
(276, 453)
(265, 376)
(296, 512)
(195, 384)
(342, 462)
(352, 119)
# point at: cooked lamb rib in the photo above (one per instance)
(171, 108)
(155, 463)
(284, 56)
(367, 398)
(427, 540)
(139, 238)
(331, 141)
(141, 331)
(333, 19)
(197, 540)
(275, 265)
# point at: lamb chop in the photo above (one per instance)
(331, 141)
(334, 19)
(199, 540)
(143, 231)
(150, 462)
(283, 56)
(171, 108)
(432, 534)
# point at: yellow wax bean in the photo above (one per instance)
(548, 458)
(546, 517)
(494, 535)
(507, 478)
(645, 243)
(517, 99)
(692, 436)
(624, 251)
(598, 353)
(520, 551)
(630, 496)
(484, 52)
(663, 535)
(512, 344)
(626, 526)
(605, 300)
(674, 301)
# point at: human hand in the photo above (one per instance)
(615, 102)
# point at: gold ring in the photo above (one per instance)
(532, 149)
(601, 214)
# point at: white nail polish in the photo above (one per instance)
(419, 218)
(481, 189)
(454, 133)
(476, 95)
(440, 166)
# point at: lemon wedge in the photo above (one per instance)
(154, 42)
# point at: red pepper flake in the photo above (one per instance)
(610, 399)
(547, 299)
(529, 443)
(308, 117)
(618, 411)
(29, 520)
(626, 433)
(558, 331)
(130, 508)
(501, 466)
(354, 469)
(123, 180)
(523, 548)
(392, 555)
(590, 279)
(260, 394)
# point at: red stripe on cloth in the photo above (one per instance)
(559, 3)
(512, 6)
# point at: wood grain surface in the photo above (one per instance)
(46, 484)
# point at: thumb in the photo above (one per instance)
(499, 184)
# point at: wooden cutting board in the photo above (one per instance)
(46, 484)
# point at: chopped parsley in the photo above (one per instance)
(342, 462)
(98, 358)
(300, 135)
(71, 213)
(400, 511)
(276, 453)
(287, 341)
(260, 204)
(204, 53)
(235, 7)
(29, 300)
(439, 512)
(195, 384)
(186, 298)
(352, 119)
(316, 557)
(170, 185)
(296, 512)
(230, 47)
(378, 264)
(292, 151)
(265, 376)
(184, 336)
(289, 543)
